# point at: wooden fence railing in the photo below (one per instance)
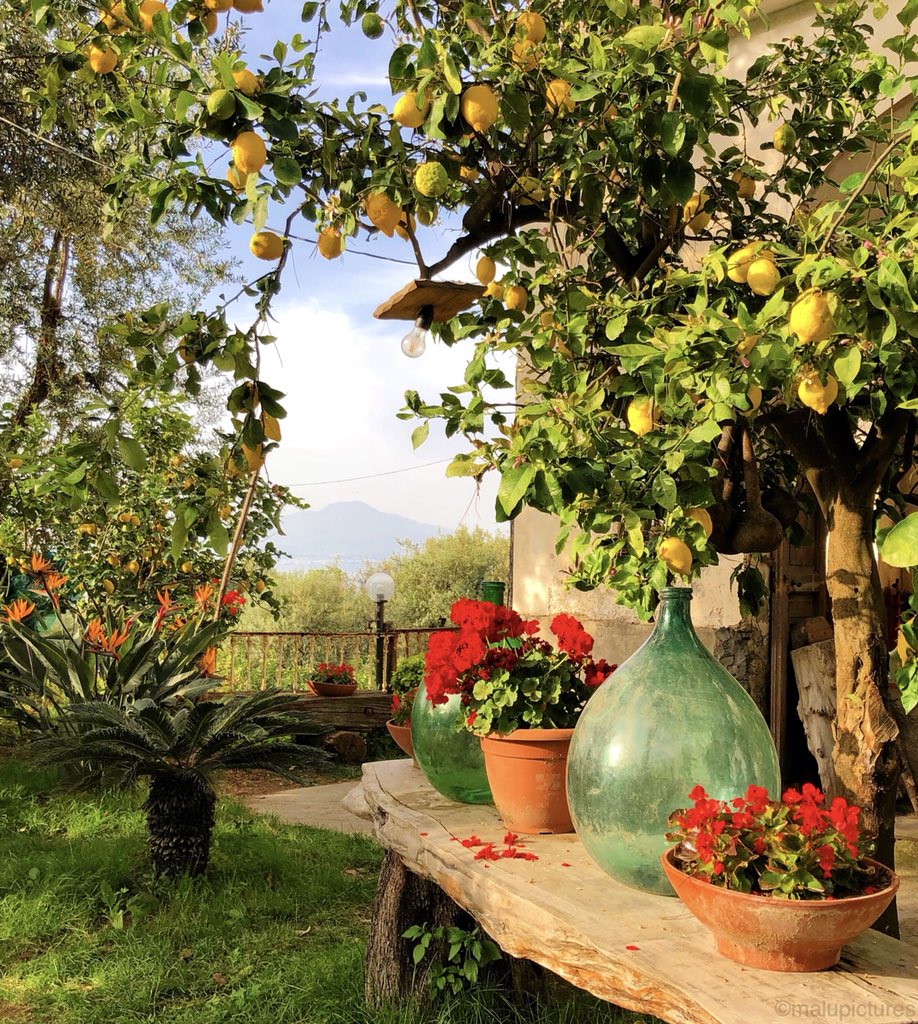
(284, 660)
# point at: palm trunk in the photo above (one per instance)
(180, 821)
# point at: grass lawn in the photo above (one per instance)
(274, 934)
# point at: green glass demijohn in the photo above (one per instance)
(669, 718)
(449, 757)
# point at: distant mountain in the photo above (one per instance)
(348, 533)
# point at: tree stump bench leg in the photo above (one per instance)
(404, 899)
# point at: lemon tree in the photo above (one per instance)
(709, 320)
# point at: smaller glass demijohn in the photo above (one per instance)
(670, 718)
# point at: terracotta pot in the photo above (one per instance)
(402, 736)
(526, 772)
(332, 689)
(778, 935)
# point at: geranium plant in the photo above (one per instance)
(404, 684)
(326, 672)
(508, 677)
(796, 848)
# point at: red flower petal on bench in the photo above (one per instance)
(564, 864)
(510, 839)
(423, 833)
(632, 947)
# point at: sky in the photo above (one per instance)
(343, 371)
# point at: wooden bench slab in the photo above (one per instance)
(583, 926)
(361, 711)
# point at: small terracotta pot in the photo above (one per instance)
(332, 689)
(778, 935)
(526, 772)
(402, 736)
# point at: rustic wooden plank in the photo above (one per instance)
(360, 712)
(814, 670)
(563, 912)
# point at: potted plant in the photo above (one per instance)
(522, 697)
(783, 885)
(406, 679)
(329, 680)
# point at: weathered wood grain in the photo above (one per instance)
(814, 670)
(578, 923)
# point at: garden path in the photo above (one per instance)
(319, 806)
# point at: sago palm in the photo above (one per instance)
(179, 750)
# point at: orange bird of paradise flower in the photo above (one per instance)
(17, 611)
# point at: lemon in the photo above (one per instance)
(516, 297)
(816, 395)
(469, 173)
(676, 554)
(478, 107)
(431, 179)
(693, 213)
(225, 511)
(745, 186)
(132, 567)
(330, 245)
(746, 344)
(811, 318)
(148, 9)
(248, 6)
(15, 463)
(495, 290)
(135, 520)
(254, 458)
(784, 138)
(546, 319)
(485, 270)
(531, 26)
(404, 223)
(235, 178)
(382, 212)
(186, 566)
(102, 60)
(525, 54)
(249, 152)
(739, 261)
(90, 529)
(703, 517)
(427, 215)
(640, 416)
(113, 560)
(124, 517)
(407, 113)
(108, 586)
(266, 245)
(558, 96)
(246, 82)
(754, 394)
(209, 21)
(115, 19)
(218, 5)
(902, 648)
(221, 104)
(762, 276)
(372, 25)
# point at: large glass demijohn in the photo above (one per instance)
(450, 758)
(669, 718)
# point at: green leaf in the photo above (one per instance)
(846, 364)
(287, 170)
(644, 37)
(900, 546)
(672, 133)
(419, 435)
(513, 485)
(179, 536)
(680, 179)
(664, 491)
(132, 453)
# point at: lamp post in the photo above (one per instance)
(380, 587)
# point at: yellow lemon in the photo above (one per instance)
(531, 26)
(640, 416)
(546, 319)
(431, 179)
(248, 6)
(695, 216)
(703, 517)
(745, 186)
(102, 60)
(784, 138)
(746, 344)
(754, 394)
(113, 560)
(558, 96)
(148, 9)
(115, 19)
(218, 5)
(762, 276)
(125, 517)
(135, 520)
(676, 554)
(468, 173)
(330, 244)
(739, 261)
(525, 54)
(236, 178)
(516, 297)
(404, 224)
(382, 212)
(186, 566)
(209, 20)
(478, 107)
(90, 529)
(260, 586)
(427, 216)
(816, 395)
(132, 567)
(485, 270)
(266, 245)
(495, 290)
(249, 152)
(108, 586)
(247, 83)
(811, 318)
(407, 113)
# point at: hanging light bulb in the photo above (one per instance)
(414, 343)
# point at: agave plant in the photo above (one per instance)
(179, 750)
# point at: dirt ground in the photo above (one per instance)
(243, 784)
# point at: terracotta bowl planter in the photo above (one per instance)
(778, 935)
(527, 774)
(402, 736)
(332, 689)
